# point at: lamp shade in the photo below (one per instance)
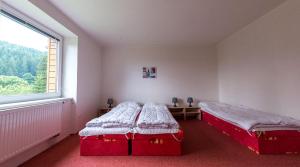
(190, 100)
(174, 100)
(110, 101)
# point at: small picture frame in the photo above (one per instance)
(149, 72)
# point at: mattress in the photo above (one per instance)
(154, 131)
(261, 142)
(156, 116)
(155, 119)
(249, 119)
(95, 131)
(123, 115)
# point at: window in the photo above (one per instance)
(29, 59)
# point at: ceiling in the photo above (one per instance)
(163, 22)
(39, 16)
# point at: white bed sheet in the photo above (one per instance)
(248, 118)
(154, 131)
(123, 115)
(156, 116)
(94, 131)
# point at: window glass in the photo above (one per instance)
(28, 59)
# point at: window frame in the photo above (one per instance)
(39, 96)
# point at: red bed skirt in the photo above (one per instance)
(105, 145)
(160, 144)
(263, 142)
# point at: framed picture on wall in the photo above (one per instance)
(149, 72)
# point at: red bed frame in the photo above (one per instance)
(157, 144)
(261, 142)
(135, 144)
(117, 144)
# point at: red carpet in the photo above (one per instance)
(203, 147)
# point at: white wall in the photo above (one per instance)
(69, 75)
(181, 72)
(88, 66)
(88, 80)
(259, 65)
(81, 72)
(69, 65)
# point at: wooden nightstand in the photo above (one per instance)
(103, 110)
(177, 112)
(192, 112)
(185, 113)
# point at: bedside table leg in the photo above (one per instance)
(200, 115)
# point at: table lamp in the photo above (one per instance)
(174, 100)
(110, 101)
(190, 101)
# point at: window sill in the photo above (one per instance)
(10, 106)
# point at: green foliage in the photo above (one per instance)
(40, 82)
(17, 60)
(13, 85)
(28, 77)
(22, 70)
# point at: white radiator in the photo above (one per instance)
(22, 128)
